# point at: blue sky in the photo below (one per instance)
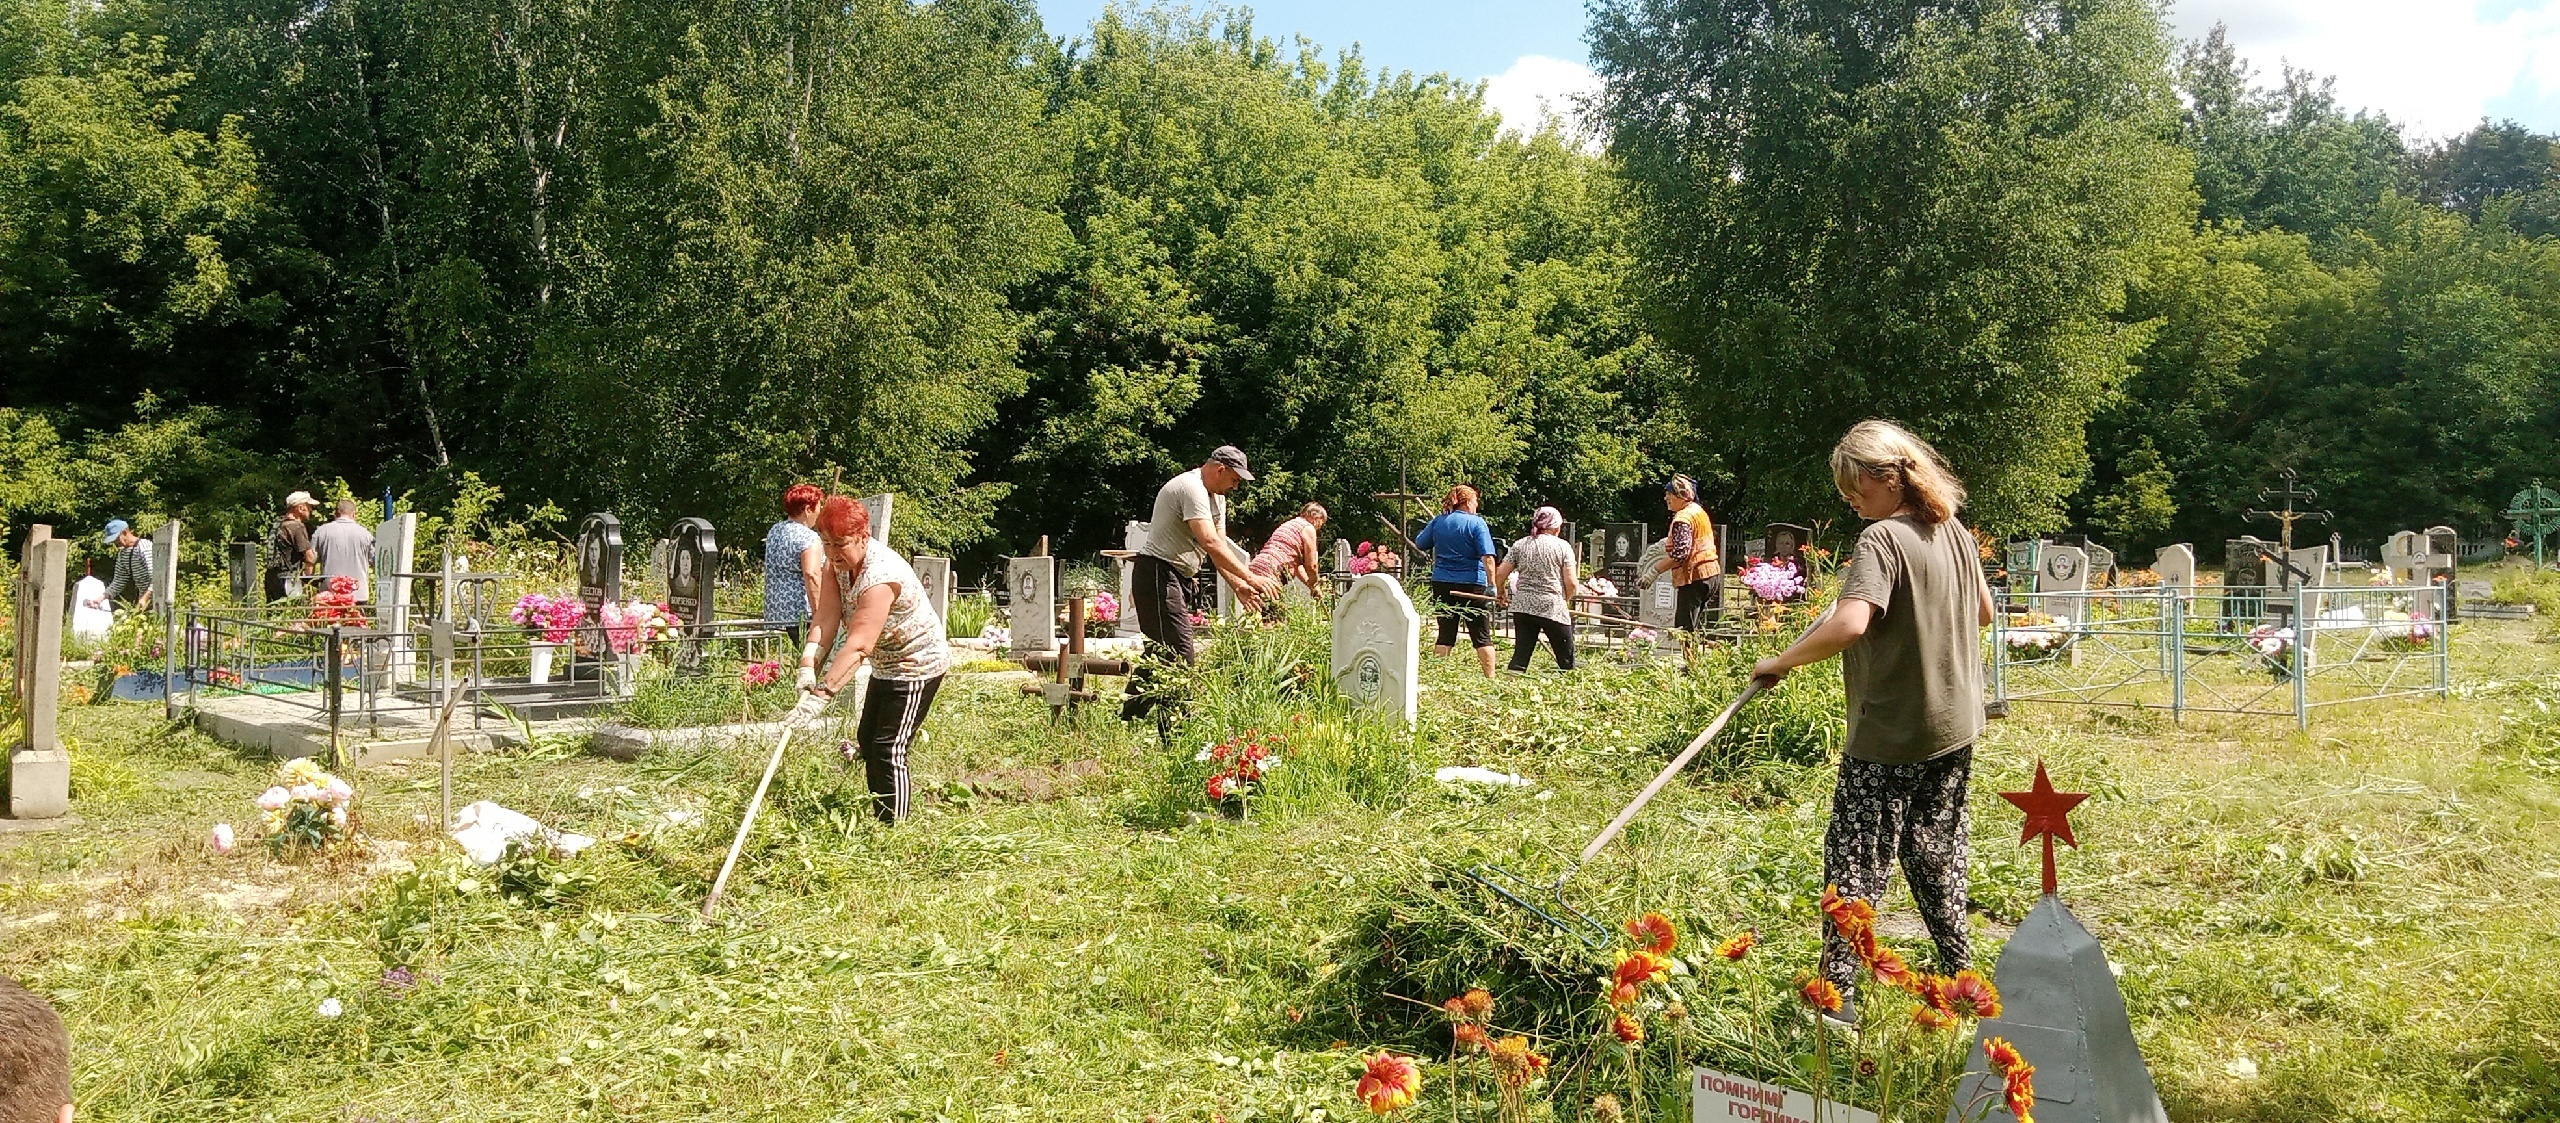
(2436, 66)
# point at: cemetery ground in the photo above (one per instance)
(2353, 923)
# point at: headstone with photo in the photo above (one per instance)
(935, 574)
(1626, 545)
(693, 571)
(599, 561)
(244, 560)
(880, 506)
(2244, 583)
(1788, 544)
(1032, 585)
(2176, 565)
(39, 768)
(1594, 547)
(2062, 575)
(1377, 647)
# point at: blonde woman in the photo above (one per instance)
(1908, 627)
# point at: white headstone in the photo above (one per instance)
(1342, 555)
(395, 547)
(39, 768)
(879, 506)
(936, 575)
(1133, 539)
(2404, 555)
(2062, 570)
(164, 568)
(2313, 561)
(2176, 566)
(1032, 583)
(1377, 646)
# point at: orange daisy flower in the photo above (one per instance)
(1820, 994)
(1641, 966)
(1468, 1035)
(2021, 1092)
(1477, 1003)
(1622, 993)
(1889, 969)
(1848, 914)
(1928, 1017)
(2004, 1057)
(1389, 1084)
(1653, 932)
(1628, 1029)
(1970, 993)
(1514, 1063)
(1739, 946)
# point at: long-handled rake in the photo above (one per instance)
(1519, 891)
(748, 823)
(1582, 612)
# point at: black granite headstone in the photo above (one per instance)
(244, 572)
(693, 571)
(599, 561)
(1625, 543)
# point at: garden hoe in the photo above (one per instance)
(1517, 890)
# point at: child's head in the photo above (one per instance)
(1880, 456)
(35, 1059)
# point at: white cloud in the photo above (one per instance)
(2434, 66)
(1536, 86)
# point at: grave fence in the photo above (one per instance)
(2268, 652)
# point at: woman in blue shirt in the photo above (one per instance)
(1461, 548)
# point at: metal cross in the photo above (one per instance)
(2292, 494)
(2535, 511)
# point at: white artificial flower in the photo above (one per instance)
(339, 791)
(329, 1008)
(222, 838)
(274, 799)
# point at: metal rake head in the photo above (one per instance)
(1520, 891)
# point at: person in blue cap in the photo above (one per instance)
(132, 580)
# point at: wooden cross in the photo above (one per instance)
(2293, 493)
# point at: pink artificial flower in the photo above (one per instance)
(221, 838)
(274, 799)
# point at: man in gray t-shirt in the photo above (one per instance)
(1188, 527)
(345, 548)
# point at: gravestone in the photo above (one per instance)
(879, 506)
(2061, 572)
(164, 603)
(599, 561)
(935, 573)
(1133, 539)
(2310, 567)
(1788, 541)
(2404, 554)
(2176, 566)
(2244, 584)
(39, 769)
(2102, 564)
(1595, 546)
(1657, 605)
(395, 547)
(245, 560)
(1032, 585)
(1377, 647)
(1626, 544)
(1341, 554)
(661, 555)
(693, 571)
(2444, 554)
(2018, 564)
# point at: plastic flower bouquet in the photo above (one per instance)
(337, 605)
(2274, 646)
(306, 809)
(2407, 631)
(1104, 608)
(1773, 581)
(557, 618)
(2041, 634)
(1238, 765)
(629, 627)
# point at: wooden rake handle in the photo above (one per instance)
(1663, 779)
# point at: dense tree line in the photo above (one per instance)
(666, 258)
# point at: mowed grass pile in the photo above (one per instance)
(2350, 924)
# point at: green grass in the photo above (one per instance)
(1066, 931)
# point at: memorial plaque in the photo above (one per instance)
(693, 571)
(599, 561)
(1377, 647)
(1788, 540)
(879, 506)
(935, 574)
(246, 559)
(1626, 544)
(1032, 585)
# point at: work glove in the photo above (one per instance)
(808, 679)
(808, 709)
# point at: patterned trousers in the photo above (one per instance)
(1914, 813)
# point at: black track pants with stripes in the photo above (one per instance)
(892, 712)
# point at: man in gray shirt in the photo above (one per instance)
(1189, 526)
(346, 549)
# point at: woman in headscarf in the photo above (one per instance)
(1541, 600)
(873, 598)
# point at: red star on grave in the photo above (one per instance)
(2048, 816)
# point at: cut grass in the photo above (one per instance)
(2362, 912)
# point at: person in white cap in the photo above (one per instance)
(1189, 526)
(289, 552)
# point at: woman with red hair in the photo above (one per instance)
(792, 562)
(873, 600)
(1461, 548)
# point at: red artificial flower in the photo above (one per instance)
(1627, 1028)
(1388, 1084)
(1654, 933)
(1820, 994)
(1739, 946)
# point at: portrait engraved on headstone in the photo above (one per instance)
(1377, 652)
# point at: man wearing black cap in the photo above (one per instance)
(1189, 526)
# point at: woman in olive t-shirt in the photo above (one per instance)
(1908, 627)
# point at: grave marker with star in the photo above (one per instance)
(2060, 1004)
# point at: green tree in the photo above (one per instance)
(1921, 211)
